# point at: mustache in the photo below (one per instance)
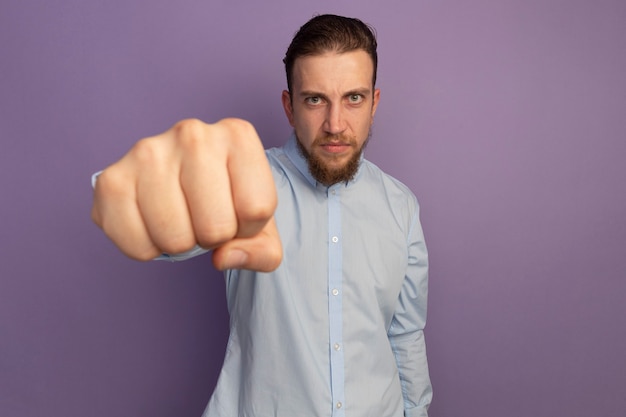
(335, 139)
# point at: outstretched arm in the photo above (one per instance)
(196, 184)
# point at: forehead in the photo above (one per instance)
(333, 70)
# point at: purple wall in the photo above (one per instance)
(507, 119)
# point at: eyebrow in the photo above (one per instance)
(311, 93)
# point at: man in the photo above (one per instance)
(334, 325)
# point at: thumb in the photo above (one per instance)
(262, 252)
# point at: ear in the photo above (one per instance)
(288, 107)
(375, 103)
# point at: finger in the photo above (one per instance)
(162, 205)
(160, 199)
(118, 216)
(262, 252)
(251, 180)
(205, 183)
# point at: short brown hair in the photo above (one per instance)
(329, 32)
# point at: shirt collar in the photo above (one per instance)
(293, 153)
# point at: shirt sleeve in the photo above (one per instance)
(406, 333)
(197, 250)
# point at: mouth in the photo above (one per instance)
(335, 147)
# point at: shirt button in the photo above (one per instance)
(337, 346)
(335, 239)
(335, 291)
(339, 405)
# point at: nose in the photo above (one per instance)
(335, 122)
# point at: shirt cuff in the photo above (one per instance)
(182, 256)
(94, 179)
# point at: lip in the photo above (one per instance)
(335, 148)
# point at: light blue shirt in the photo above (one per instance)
(337, 329)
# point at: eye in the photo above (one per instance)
(355, 98)
(313, 100)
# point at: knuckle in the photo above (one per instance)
(272, 255)
(237, 125)
(130, 245)
(257, 211)
(190, 135)
(216, 235)
(144, 255)
(275, 254)
(239, 130)
(112, 182)
(147, 152)
(178, 244)
(189, 127)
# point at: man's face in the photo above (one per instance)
(331, 109)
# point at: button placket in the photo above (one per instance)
(335, 309)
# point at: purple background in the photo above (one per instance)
(506, 118)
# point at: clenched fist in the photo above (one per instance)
(196, 184)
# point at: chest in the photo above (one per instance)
(357, 234)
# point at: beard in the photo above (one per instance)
(320, 169)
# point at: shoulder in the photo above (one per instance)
(386, 194)
(280, 164)
(394, 189)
